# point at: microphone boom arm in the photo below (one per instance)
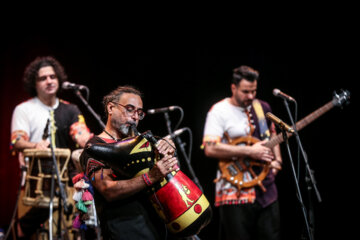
(96, 116)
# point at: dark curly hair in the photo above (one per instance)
(244, 72)
(115, 95)
(31, 72)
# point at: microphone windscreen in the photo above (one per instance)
(276, 91)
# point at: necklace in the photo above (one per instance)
(111, 136)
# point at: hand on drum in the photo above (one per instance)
(42, 145)
(162, 167)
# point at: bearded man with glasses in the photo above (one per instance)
(123, 210)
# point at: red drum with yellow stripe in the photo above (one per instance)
(182, 205)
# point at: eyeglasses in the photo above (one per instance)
(130, 109)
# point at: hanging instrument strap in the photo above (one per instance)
(264, 129)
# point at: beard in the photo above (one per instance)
(125, 129)
(243, 104)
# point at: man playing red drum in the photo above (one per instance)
(123, 208)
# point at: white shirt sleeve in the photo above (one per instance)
(214, 125)
(20, 121)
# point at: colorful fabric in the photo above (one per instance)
(84, 202)
(92, 166)
(16, 136)
(78, 128)
(227, 194)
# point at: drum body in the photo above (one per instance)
(39, 175)
(181, 204)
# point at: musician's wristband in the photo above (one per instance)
(146, 179)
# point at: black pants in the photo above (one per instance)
(249, 222)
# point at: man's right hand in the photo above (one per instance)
(163, 167)
(261, 152)
(42, 145)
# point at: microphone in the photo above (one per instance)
(46, 130)
(161, 110)
(279, 123)
(278, 93)
(69, 85)
(176, 133)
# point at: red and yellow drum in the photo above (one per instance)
(182, 205)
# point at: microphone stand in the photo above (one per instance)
(62, 198)
(285, 136)
(78, 93)
(309, 177)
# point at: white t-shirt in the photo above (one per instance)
(31, 117)
(225, 117)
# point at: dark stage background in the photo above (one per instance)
(194, 76)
